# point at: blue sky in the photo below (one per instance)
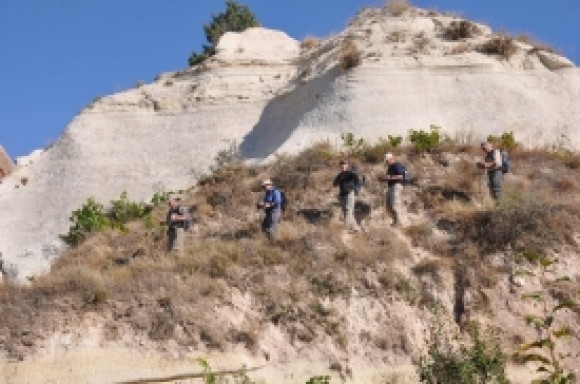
(56, 56)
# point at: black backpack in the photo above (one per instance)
(284, 200)
(506, 162)
(188, 222)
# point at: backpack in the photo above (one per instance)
(188, 222)
(283, 200)
(406, 175)
(506, 162)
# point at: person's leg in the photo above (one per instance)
(391, 200)
(170, 239)
(276, 213)
(343, 200)
(350, 220)
(267, 222)
(495, 185)
(179, 239)
(399, 212)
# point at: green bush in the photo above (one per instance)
(544, 350)
(123, 210)
(92, 217)
(89, 218)
(352, 143)
(479, 361)
(395, 141)
(425, 141)
(507, 141)
(236, 18)
(319, 380)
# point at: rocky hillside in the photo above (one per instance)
(359, 307)
(267, 93)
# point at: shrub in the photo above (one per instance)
(507, 141)
(461, 29)
(480, 361)
(89, 218)
(502, 45)
(123, 210)
(352, 143)
(350, 55)
(425, 141)
(398, 7)
(319, 380)
(395, 141)
(543, 350)
(309, 42)
(92, 217)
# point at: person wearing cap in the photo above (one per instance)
(272, 206)
(492, 163)
(394, 176)
(175, 221)
(347, 182)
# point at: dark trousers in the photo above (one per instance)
(494, 183)
(270, 221)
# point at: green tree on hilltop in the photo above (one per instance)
(236, 18)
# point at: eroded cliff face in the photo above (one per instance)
(267, 93)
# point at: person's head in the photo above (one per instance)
(389, 158)
(486, 146)
(267, 184)
(174, 201)
(343, 164)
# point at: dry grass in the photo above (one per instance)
(309, 43)
(398, 7)
(538, 45)
(502, 46)
(128, 277)
(350, 55)
(530, 224)
(461, 29)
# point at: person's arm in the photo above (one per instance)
(179, 217)
(336, 181)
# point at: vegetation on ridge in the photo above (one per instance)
(302, 284)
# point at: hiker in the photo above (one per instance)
(347, 182)
(394, 177)
(176, 219)
(272, 206)
(492, 163)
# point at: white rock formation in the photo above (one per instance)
(266, 93)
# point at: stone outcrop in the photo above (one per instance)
(267, 93)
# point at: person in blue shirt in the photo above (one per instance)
(393, 199)
(272, 206)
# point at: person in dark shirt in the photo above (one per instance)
(347, 182)
(393, 199)
(175, 221)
